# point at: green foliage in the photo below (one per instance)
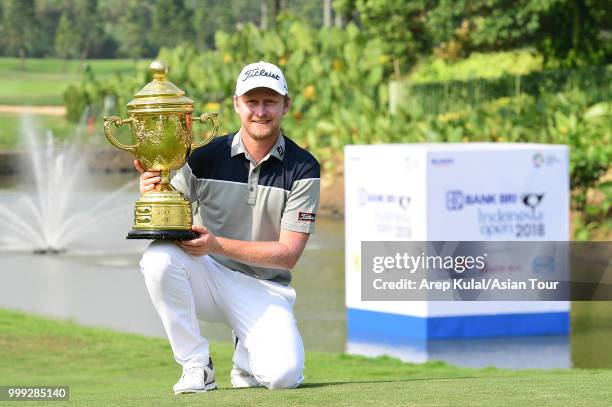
(75, 104)
(438, 97)
(566, 32)
(169, 23)
(19, 27)
(127, 28)
(130, 23)
(399, 24)
(322, 67)
(88, 26)
(345, 12)
(340, 96)
(572, 33)
(509, 25)
(212, 16)
(66, 39)
(587, 129)
(477, 66)
(42, 27)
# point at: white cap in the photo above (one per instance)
(261, 75)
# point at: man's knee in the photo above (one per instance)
(161, 261)
(287, 379)
(287, 373)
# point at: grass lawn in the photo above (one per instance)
(107, 368)
(592, 333)
(44, 81)
(11, 128)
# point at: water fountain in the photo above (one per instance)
(94, 278)
(61, 209)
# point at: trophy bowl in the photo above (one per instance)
(160, 122)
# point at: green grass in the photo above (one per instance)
(11, 128)
(591, 333)
(43, 81)
(107, 368)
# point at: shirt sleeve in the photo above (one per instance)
(302, 205)
(184, 181)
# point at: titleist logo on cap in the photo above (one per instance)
(259, 72)
(261, 75)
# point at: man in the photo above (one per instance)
(257, 194)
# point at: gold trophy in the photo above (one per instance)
(160, 122)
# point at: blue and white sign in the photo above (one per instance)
(454, 192)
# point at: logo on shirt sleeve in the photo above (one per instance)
(307, 216)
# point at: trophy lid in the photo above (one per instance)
(160, 95)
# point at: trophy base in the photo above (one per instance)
(162, 234)
(162, 215)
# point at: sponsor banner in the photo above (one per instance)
(485, 271)
(507, 214)
(510, 194)
(402, 192)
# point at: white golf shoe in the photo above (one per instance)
(196, 379)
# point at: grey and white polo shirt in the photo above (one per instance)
(239, 199)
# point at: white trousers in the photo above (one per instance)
(185, 289)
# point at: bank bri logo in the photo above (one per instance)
(456, 200)
(367, 198)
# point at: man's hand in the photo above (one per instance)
(204, 244)
(281, 254)
(148, 179)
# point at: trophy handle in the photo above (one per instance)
(118, 122)
(210, 135)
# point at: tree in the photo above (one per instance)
(204, 27)
(345, 11)
(171, 23)
(66, 38)
(211, 16)
(129, 24)
(401, 26)
(1, 31)
(263, 21)
(327, 13)
(88, 25)
(566, 32)
(276, 8)
(48, 14)
(19, 26)
(572, 33)
(269, 11)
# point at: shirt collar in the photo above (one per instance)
(237, 146)
(278, 150)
